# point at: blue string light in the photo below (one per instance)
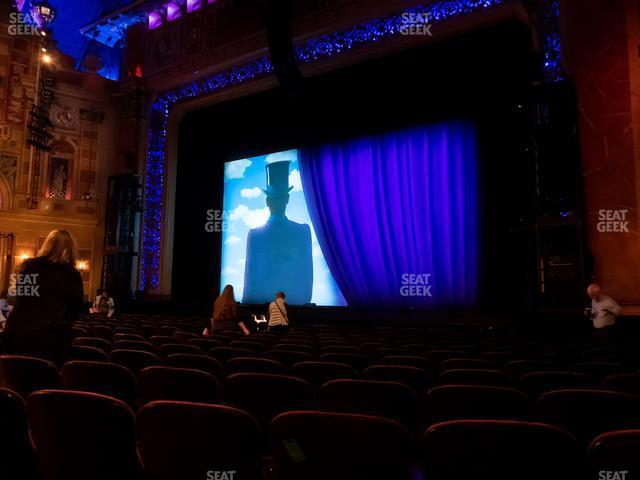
(319, 48)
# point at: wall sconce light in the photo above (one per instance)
(82, 265)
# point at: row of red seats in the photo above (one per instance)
(80, 435)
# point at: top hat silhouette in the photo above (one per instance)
(277, 179)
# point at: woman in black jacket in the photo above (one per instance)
(48, 298)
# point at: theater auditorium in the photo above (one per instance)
(319, 239)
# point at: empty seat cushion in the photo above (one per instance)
(322, 445)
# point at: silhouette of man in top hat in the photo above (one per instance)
(279, 252)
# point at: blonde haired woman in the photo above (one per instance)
(48, 298)
(225, 313)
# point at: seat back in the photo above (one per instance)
(463, 376)
(536, 383)
(414, 377)
(80, 435)
(385, 399)
(100, 377)
(135, 360)
(266, 395)
(170, 383)
(408, 361)
(624, 382)
(198, 362)
(94, 354)
(356, 360)
(452, 402)
(96, 342)
(181, 440)
(498, 449)
(24, 375)
(322, 445)
(615, 452)
(588, 413)
(167, 349)
(317, 373)
(15, 449)
(253, 365)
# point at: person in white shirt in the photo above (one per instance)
(604, 310)
(103, 305)
(278, 317)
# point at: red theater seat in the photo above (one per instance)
(498, 450)
(453, 402)
(134, 345)
(96, 342)
(135, 360)
(180, 440)
(16, 456)
(134, 337)
(536, 383)
(414, 377)
(517, 368)
(205, 344)
(100, 377)
(169, 383)
(599, 370)
(167, 349)
(317, 373)
(588, 413)
(357, 361)
(615, 452)
(385, 399)
(158, 340)
(265, 395)
(407, 361)
(253, 365)
(197, 362)
(625, 382)
(184, 336)
(288, 358)
(478, 376)
(467, 363)
(80, 435)
(92, 354)
(24, 375)
(222, 354)
(256, 347)
(322, 445)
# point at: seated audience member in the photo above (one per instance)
(103, 305)
(278, 318)
(225, 313)
(5, 309)
(48, 299)
(604, 311)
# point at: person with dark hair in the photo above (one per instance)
(48, 299)
(278, 318)
(103, 305)
(225, 313)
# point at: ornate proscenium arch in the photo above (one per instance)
(313, 50)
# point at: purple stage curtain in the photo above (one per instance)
(396, 215)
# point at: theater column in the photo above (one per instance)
(600, 39)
